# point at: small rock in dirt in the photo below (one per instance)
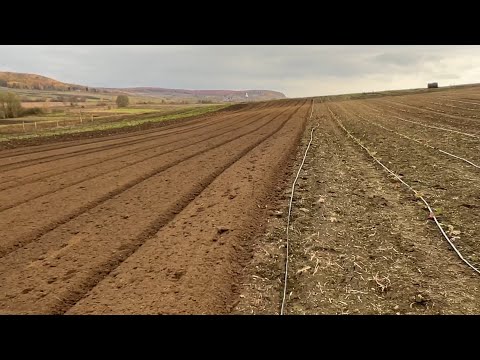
(332, 219)
(304, 210)
(222, 229)
(396, 307)
(420, 299)
(178, 274)
(297, 309)
(278, 213)
(456, 232)
(42, 257)
(321, 200)
(125, 216)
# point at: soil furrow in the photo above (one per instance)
(143, 216)
(27, 192)
(13, 165)
(58, 143)
(198, 267)
(19, 227)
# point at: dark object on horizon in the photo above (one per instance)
(432, 85)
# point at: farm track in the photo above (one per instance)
(64, 231)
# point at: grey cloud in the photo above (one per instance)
(399, 59)
(295, 70)
(448, 76)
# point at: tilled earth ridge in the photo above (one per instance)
(155, 222)
(360, 243)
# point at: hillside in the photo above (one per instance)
(34, 82)
(38, 82)
(213, 95)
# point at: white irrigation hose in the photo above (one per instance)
(458, 157)
(288, 218)
(456, 107)
(430, 126)
(466, 102)
(432, 214)
(437, 127)
(417, 141)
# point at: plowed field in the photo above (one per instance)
(190, 217)
(155, 221)
(363, 243)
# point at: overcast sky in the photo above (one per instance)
(294, 70)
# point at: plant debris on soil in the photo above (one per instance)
(360, 242)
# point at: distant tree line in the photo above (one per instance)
(43, 86)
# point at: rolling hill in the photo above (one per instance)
(214, 95)
(34, 82)
(38, 82)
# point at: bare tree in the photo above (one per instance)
(10, 106)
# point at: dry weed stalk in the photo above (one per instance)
(383, 282)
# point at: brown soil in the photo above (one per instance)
(95, 134)
(361, 243)
(190, 216)
(159, 221)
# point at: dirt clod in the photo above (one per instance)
(222, 229)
